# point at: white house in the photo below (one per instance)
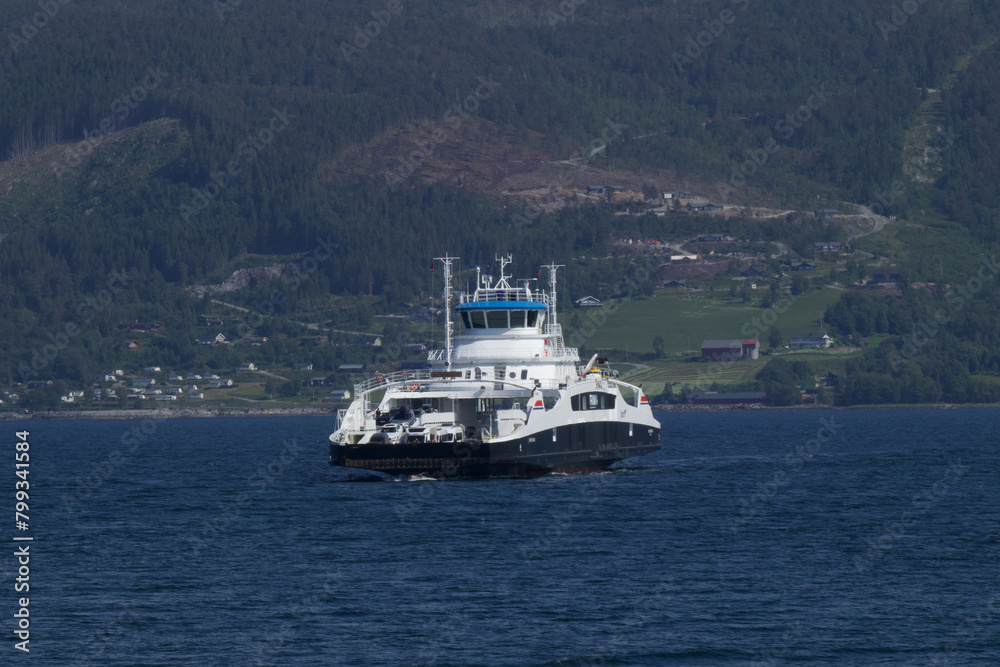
(196, 394)
(249, 366)
(143, 382)
(810, 340)
(220, 383)
(588, 302)
(212, 339)
(151, 369)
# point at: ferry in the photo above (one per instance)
(504, 398)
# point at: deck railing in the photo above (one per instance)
(386, 379)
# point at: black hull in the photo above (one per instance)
(574, 448)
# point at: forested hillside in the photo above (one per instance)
(169, 139)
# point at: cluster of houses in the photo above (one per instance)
(144, 388)
(214, 339)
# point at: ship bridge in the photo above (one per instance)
(507, 324)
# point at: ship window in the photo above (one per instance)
(497, 319)
(467, 320)
(517, 318)
(532, 318)
(593, 401)
(468, 375)
(478, 320)
(524, 374)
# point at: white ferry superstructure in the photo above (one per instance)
(504, 398)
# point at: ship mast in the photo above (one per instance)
(446, 261)
(552, 293)
(503, 261)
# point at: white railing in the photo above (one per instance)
(386, 379)
(509, 294)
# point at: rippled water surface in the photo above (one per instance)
(816, 538)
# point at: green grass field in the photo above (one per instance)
(694, 373)
(685, 319)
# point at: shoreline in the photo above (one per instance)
(205, 413)
(170, 413)
(684, 407)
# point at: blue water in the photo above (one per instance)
(746, 540)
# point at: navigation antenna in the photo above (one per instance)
(446, 261)
(504, 261)
(479, 278)
(552, 286)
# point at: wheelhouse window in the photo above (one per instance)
(467, 320)
(532, 318)
(478, 319)
(517, 318)
(497, 319)
(597, 400)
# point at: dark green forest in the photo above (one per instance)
(170, 140)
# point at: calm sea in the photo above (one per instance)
(766, 538)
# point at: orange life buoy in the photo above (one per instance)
(413, 387)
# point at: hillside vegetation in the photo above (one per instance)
(168, 141)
